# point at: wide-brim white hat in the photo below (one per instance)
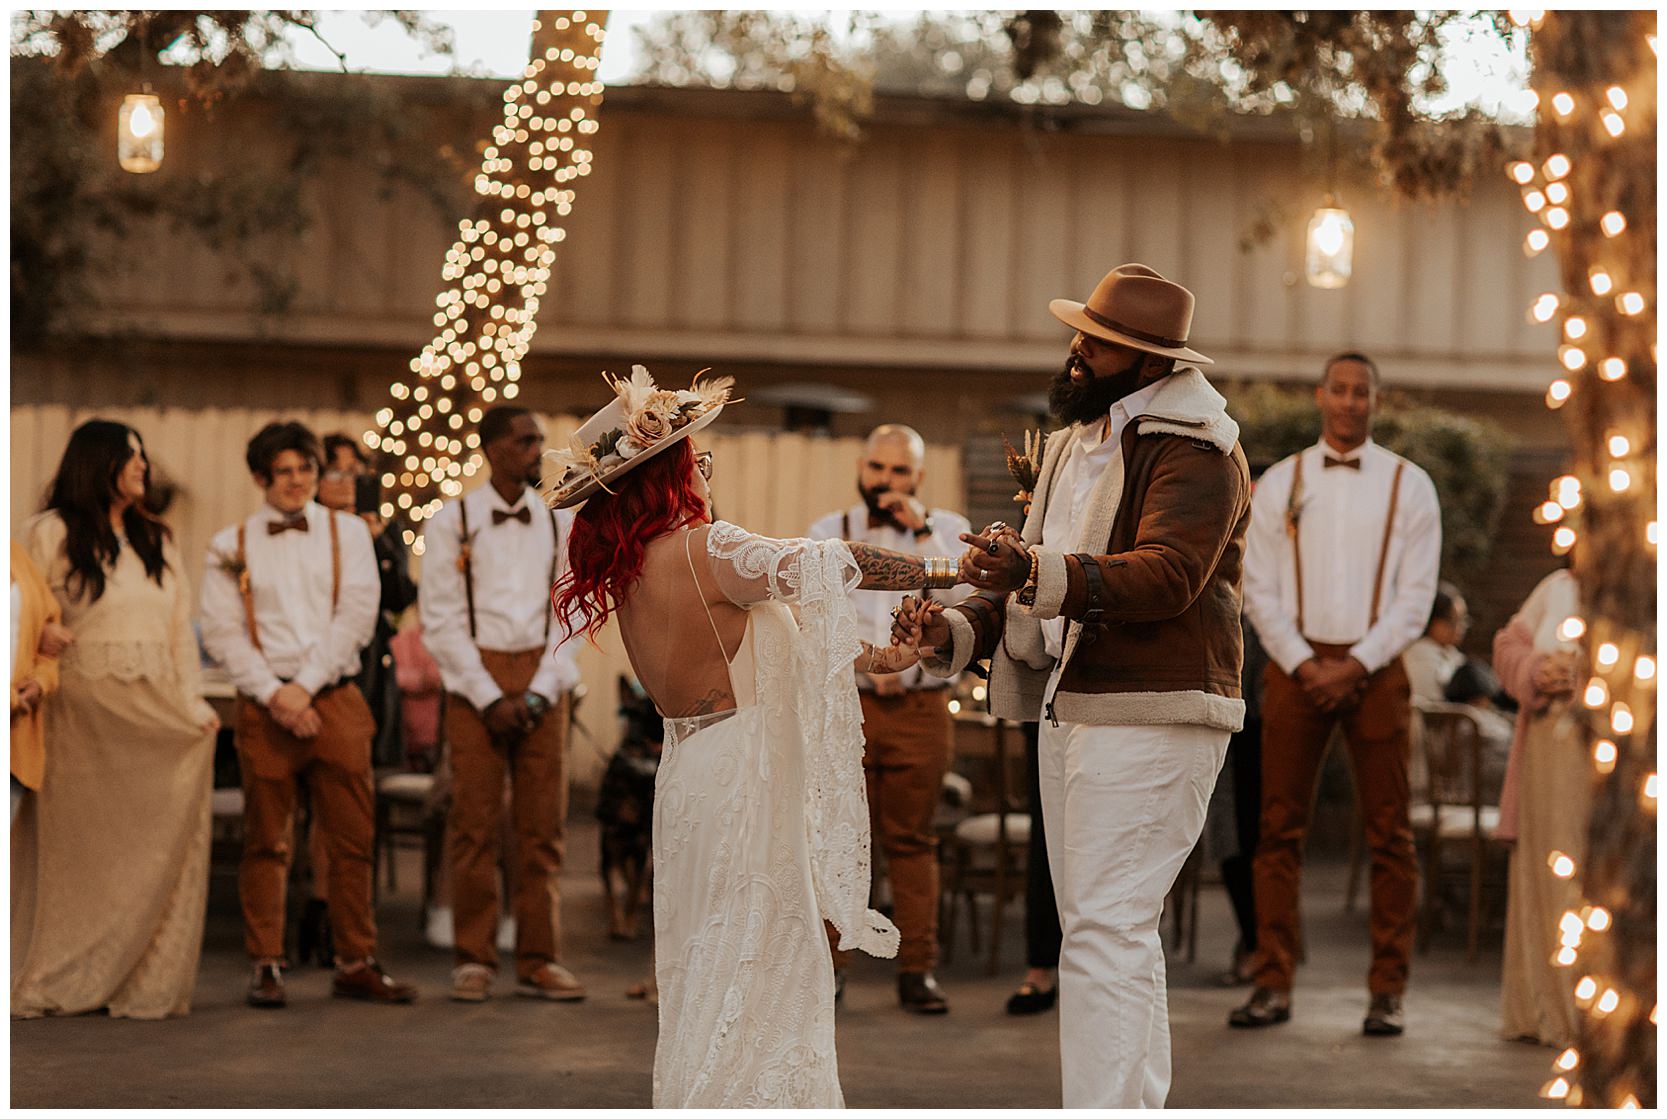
(604, 448)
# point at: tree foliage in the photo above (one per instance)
(69, 71)
(1202, 68)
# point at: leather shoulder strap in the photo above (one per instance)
(555, 554)
(1293, 527)
(243, 587)
(466, 564)
(1388, 532)
(335, 562)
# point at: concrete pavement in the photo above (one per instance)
(513, 1052)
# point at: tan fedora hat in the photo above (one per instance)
(1134, 306)
(641, 421)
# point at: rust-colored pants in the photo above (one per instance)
(336, 767)
(1294, 735)
(536, 766)
(909, 741)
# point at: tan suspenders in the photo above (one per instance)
(1292, 527)
(247, 591)
(466, 563)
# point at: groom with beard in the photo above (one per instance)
(1114, 618)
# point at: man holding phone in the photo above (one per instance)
(350, 486)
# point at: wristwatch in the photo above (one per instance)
(537, 704)
(925, 529)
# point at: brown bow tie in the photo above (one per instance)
(1351, 463)
(298, 523)
(523, 514)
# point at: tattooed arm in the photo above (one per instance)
(886, 570)
(880, 660)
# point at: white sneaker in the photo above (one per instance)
(437, 930)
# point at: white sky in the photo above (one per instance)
(494, 44)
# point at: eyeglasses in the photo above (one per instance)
(703, 463)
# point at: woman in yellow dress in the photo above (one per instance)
(110, 855)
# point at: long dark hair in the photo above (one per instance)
(82, 493)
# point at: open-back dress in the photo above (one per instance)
(760, 817)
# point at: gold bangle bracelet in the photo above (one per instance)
(942, 572)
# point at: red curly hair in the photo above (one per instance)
(613, 530)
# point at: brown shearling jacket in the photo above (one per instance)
(1170, 514)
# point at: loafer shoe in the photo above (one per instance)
(919, 993)
(372, 984)
(1266, 1007)
(471, 983)
(1384, 1017)
(1031, 999)
(266, 987)
(552, 981)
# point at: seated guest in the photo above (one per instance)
(289, 601)
(1440, 672)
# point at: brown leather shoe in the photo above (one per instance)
(1267, 1007)
(1384, 1018)
(266, 987)
(371, 983)
(919, 993)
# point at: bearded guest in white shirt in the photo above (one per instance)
(492, 558)
(1341, 567)
(289, 601)
(908, 732)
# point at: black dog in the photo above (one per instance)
(625, 806)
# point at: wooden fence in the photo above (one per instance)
(770, 482)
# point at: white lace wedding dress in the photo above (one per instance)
(760, 832)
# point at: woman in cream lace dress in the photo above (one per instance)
(761, 827)
(110, 856)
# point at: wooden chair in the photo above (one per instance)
(404, 810)
(986, 850)
(1454, 816)
(1181, 906)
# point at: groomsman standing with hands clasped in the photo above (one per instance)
(1340, 570)
(492, 558)
(289, 600)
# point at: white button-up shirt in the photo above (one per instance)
(1341, 515)
(1086, 459)
(874, 607)
(510, 563)
(290, 576)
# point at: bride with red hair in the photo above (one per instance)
(761, 831)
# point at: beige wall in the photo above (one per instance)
(769, 483)
(721, 227)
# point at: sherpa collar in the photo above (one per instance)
(1187, 405)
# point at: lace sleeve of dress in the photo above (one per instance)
(750, 568)
(823, 696)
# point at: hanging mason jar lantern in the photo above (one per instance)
(139, 133)
(1330, 246)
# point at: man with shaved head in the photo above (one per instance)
(905, 715)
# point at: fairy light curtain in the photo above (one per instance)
(1592, 188)
(496, 273)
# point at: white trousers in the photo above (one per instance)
(1122, 808)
